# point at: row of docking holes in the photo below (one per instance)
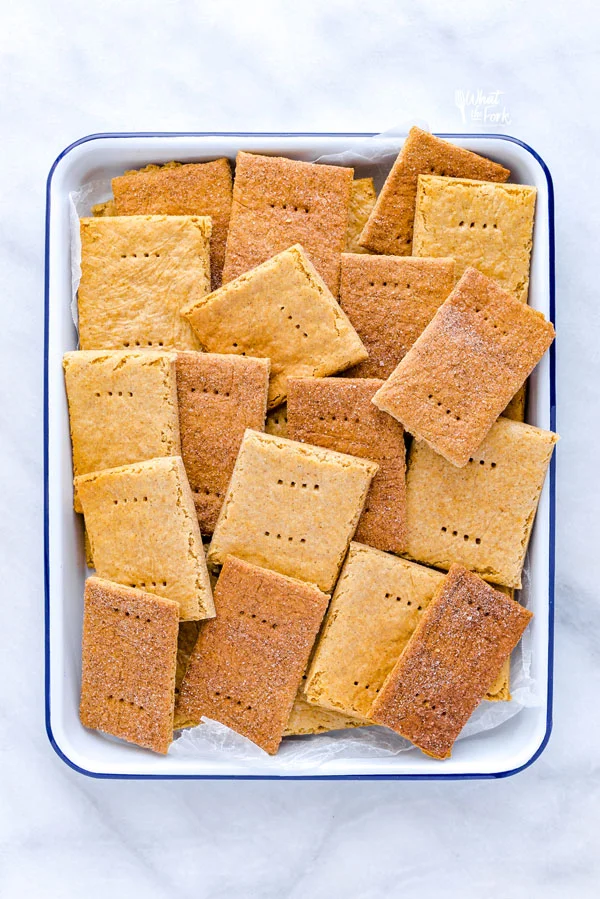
(466, 537)
(292, 208)
(291, 318)
(239, 702)
(206, 492)
(262, 621)
(127, 613)
(115, 393)
(141, 343)
(208, 390)
(486, 318)
(407, 603)
(335, 418)
(472, 225)
(388, 284)
(126, 701)
(448, 411)
(289, 539)
(138, 255)
(134, 499)
(144, 584)
(428, 705)
(302, 485)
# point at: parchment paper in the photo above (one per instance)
(371, 157)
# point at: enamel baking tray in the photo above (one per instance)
(496, 753)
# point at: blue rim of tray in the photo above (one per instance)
(552, 477)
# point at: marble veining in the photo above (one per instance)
(72, 69)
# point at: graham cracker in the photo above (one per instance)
(199, 188)
(500, 689)
(390, 300)
(246, 666)
(479, 348)
(456, 652)
(487, 226)
(276, 422)
(306, 718)
(278, 202)
(516, 407)
(337, 414)
(362, 200)
(122, 408)
(219, 397)
(390, 225)
(291, 507)
(144, 532)
(480, 515)
(137, 272)
(186, 640)
(128, 663)
(106, 208)
(377, 604)
(281, 310)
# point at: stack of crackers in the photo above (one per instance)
(297, 418)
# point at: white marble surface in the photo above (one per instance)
(69, 69)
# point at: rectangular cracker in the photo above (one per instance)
(376, 606)
(186, 640)
(122, 408)
(128, 663)
(456, 652)
(246, 666)
(144, 532)
(281, 310)
(390, 300)
(487, 226)
(219, 397)
(278, 202)
(500, 689)
(199, 188)
(481, 515)
(291, 507)
(337, 414)
(276, 422)
(470, 360)
(362, 200)
(389, 228)
(137, 272)
(306, 718)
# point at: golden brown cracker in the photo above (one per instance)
(199, 188)
(291, 507)
(390, 300)
(283, 311)
(246, 666)
(276, 422)
(487, 226)
(377, 604)
(128, 663)
(137, 272)
(479, 348)
(362, 200)
(389, 228)
(462, 640)
(278, 202)
(337, 414)
(219, 397)
(480, 515)
(122, 407)
(144, 532)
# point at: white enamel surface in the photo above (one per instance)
(497, 751)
